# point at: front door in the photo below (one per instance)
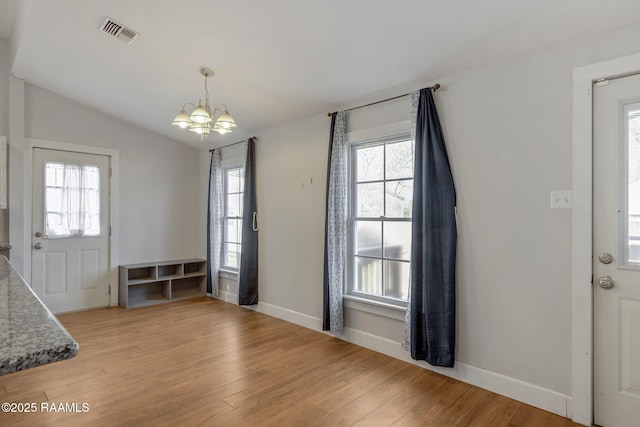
(617, 252)
(70, 232)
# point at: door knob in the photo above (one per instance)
(605, 258)
(38, 234)
(605, 282)
(37, 246)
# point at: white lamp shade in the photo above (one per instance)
(201, 115)
(221, 130)
(200, 128)
(226, 121)
(182, 120)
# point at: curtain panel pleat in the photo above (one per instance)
(335, 227)
(214, 223)
(432, 300)
(248, 274)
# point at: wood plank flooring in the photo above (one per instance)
(203, 362)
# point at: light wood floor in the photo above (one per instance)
(205, 362)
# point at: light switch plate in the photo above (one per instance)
(561, 200)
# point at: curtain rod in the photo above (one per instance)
(235, 143)
(434, 87)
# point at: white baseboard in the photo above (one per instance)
(531, 394)
(501, 384)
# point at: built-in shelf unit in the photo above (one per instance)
(158, 282)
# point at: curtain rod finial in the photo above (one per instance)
(436, 86)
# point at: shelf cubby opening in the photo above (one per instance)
(141, 273)
(169, 270)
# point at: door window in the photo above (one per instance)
(72, 200)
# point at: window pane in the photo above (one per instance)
(231, 231)
(397, 240)
(72, 200)
(232, 255)
(233, 205)
(396, 279)
(370, 163)
(369, 276)
(399, 200)
(368, 238)
(634, 185)
(234, 178)
(399, 160)
(370, 200)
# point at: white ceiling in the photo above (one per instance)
(276, 61)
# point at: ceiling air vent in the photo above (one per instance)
(119, 31)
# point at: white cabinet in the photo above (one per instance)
(3, 172)
(153, 283)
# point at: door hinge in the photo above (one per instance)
(109, 230)
(110, 172)
(109, 289)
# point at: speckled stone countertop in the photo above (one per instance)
(30, 335)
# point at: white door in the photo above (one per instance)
(617, 252)
(70, 233)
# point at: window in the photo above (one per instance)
(381, 194)
(233, 196)
(72, 200)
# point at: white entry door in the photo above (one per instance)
(70, 240)
(617, 252)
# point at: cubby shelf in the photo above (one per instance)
(159, 282)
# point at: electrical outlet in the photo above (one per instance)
(561, 200)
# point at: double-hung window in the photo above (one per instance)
(233, 197)
(381, 194)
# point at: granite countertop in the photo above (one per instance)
(30, 335)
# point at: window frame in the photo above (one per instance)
(226, 167)
(352, 218)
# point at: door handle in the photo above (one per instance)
(37, 246)
(38, 234)
(605, 282)
(606, 258)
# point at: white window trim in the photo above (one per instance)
(379, 308)
(226, 165)
(375, 304)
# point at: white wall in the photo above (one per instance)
(508, 132)
(4, 120)
(158, 214)
(158, 192)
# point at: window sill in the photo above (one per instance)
(375, 307)
(228, 274)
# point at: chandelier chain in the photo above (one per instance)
(206, 91)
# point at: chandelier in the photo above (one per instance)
(202, 119)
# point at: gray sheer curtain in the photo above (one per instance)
(335, 251)
(248, 275)
(432, 301)
(214, 223)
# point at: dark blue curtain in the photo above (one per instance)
(433, 247)
(248, 276)
(326, 313)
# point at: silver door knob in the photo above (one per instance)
(605, 282)
(605, 258)
(37, 246)
(38, 234)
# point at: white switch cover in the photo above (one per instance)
(561, 200)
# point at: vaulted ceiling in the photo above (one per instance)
(275, 61)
